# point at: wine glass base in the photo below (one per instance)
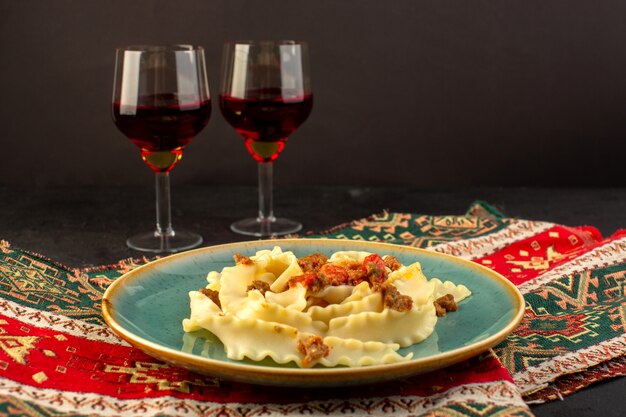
(151, 242)
(266, 227)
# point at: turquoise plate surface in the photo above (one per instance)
(147, 305)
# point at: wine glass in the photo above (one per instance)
(161, 102)
(265, 95)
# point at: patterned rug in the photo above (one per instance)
(57, 356)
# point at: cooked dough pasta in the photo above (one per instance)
(352, 309)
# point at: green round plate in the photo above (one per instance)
(147, 305)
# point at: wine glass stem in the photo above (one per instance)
(266, 210)
(163, 206)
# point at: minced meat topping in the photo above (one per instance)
(393, 299)
(312, 281)
(242, 260)
(392, 262)
(313, 349)
(212, 294)
(445, 304)
(313, 262)
(262, 286)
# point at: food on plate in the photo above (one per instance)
(352, 308)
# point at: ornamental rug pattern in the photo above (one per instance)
(422, 230)
(11, 406)
(574, 382)
(571, 324)
(34, 281)
(571, 313)
(46, 368)
(52, 335)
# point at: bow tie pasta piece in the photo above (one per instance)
(388, 326)
(201, 307)
(459, 292)
(267, 268)
(352, 352)
(411, 281)
(332, 294)
(421, 292)
(234, 283)
(258, 308)
(359, 292)
(284, 266)
(349, 305)
(340, 256)
(446, 295)
(293, 298)
(257, 339)
(342, 294)
(410, 272)
(370, 303)
(254, 339)
(214, 279)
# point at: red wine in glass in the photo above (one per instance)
(162, 128)
(265, 121)
(161, 102)
(265, 95)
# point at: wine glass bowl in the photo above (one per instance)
(161, 127)
(266, 119)
(265, 96)
(161, 102)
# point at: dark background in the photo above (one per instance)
(427, 94)
(408, 93)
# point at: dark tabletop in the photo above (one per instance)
(88, 226)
